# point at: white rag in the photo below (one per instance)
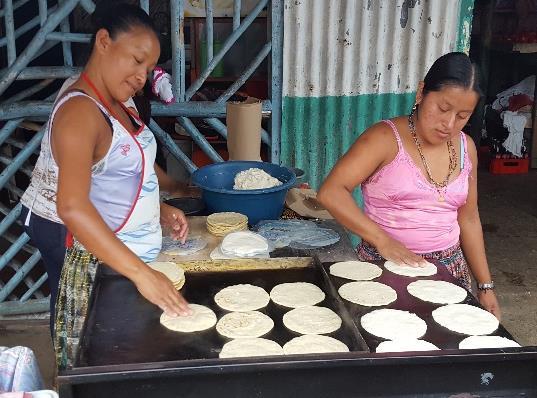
(526, 86)
(514, 123)
(162, 86)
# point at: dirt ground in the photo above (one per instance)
(508, 206)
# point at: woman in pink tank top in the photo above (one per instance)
(418, 175)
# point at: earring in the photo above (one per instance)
(414, 109)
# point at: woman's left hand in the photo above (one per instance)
(488, 300)
(175, 219)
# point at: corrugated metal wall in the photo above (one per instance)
(351, 63)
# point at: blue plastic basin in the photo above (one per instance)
(216, 181)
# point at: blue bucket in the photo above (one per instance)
(216, 181)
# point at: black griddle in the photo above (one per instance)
(124, 328)
(438, 335)
(125, 352)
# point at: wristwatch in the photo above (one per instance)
(486, 286)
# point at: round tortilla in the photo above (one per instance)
(405, 345)
(466, 319)
(394, 324)
(355, 270)
(476, 342)
(202, 318)
(312, 320)
(367, 293)
(244, 297)
(240, 325)
(438, 292)
(296, 294)
(250, 348)
(313, 344)
(428, 270)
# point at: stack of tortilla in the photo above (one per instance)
(172, 270)
(220, 224)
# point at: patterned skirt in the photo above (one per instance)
(451, 258)
(76, 285)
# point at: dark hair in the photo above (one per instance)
(452, 69)
(118, 18)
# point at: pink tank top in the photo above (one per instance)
(406, 205)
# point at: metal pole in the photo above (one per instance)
(29, 91)
(66, 45)
(47, 72)
(171, 146)
(42, 12)
(178, 49)
(8, 129)
(144, 5)
(199, 139)
(276, 78)
(10, 32)
(21, 273)
(209, 24)
(33, 47)
(16, 5)
(72, 37)
(12, 217)
(225, 47)
(236, 14)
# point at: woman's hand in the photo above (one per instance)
(159, 290)
(488, 300)
(175, 219)
(395, 251)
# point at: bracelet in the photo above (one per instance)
(485, 286)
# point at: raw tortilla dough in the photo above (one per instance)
(217, 254)
(173, 271)
(250, 348)
(370, 294)
(466, 319)
(312, 320)
(405, 345)
(201, 319)
(244, 244)
(394, 324)
(476, 342)
(255, 178)
(438, 292)
(242, 298)
(173, 247)
(297, 294)
(239, 325)
(355, 270)
(428, 270)
(313, 344)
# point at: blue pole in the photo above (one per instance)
(225, 47)
(209, 24)
(13, 250)
(21, 157)
(37, 284)
(236, 14)
(144, 5)
(33, 47)
(276, 78)
(8, 220)
(88, 5)
(10, 32)
(47, 72)
(8, 129)
(42, 12)
(19, 276)
(32, 23)
(72, 37)
(29, 91)
(16, 5)
(199, 139)
(178, 49)
(171, 146)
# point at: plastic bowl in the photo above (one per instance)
(216, 182)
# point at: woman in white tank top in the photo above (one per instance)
(102, 156)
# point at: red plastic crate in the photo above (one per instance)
(509, 166)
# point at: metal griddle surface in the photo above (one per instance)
(436, 334)
(124, 328)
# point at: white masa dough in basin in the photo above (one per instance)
(254, 178)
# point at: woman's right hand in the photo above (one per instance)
(395, 251)
(159, 290)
